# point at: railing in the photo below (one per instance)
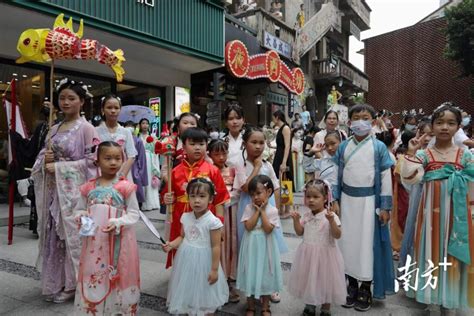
(239, 24)
(264, 22)
(331, 68)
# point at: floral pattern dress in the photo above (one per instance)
(109, 271)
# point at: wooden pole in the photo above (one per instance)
(51, 110)
(11, 191)
(169, 208)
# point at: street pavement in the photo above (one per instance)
(20, 289)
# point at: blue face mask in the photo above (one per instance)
(466, 121)
(361, 127)
(410, 127)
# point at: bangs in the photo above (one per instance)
(198, 187)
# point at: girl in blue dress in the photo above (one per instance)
(259, 272)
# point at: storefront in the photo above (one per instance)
(262, 83)
(162, 46)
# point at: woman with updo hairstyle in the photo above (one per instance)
(60, 169)
(152, 190)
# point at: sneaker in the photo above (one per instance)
(309, 310)
(351, 297)
(63, 297)
(364, 300)
(325, 313)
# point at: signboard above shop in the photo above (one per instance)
(281, 47)
(241, 65)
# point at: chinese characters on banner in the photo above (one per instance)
(269, 65)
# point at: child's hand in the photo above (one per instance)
(77, 219)
(415, 143)
(317, 148)
(110, 228)
(258, 162)
(329, 215)
(213, 276)
(384, 217)
(295, 215)
(166, 247)
(168, 198)
(335, 208)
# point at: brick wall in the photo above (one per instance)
(406, 70)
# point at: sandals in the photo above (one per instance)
(266, 312)
(234, 296)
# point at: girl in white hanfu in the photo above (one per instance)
(152, 190)
(108, 282)
(111, 130)
(58, 172)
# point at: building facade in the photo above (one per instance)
(408, 70)
(164, 43)
(319, 43)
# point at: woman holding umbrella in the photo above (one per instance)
(110, 130)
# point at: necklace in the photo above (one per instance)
(443, 154)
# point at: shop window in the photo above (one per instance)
(145, 96)
(136, 95)
(30, 90)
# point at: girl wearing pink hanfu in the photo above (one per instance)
(108, 282)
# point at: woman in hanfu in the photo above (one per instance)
(152, 190)
(58, 173)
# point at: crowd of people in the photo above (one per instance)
(372, 194)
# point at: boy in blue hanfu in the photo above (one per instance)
(364, 194)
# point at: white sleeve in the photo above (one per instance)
(129, 217)
(459, 138)
(408, 169)
(240, 177)
(273, 177)
(155, 164)
(130, 149)
(215, 223)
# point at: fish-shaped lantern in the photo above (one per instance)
(42, 45)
